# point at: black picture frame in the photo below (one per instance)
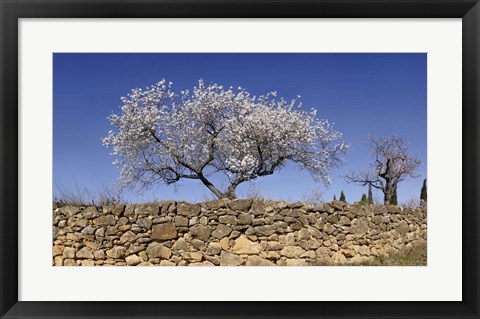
(12, 10)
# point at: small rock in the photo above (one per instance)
(229, 259)
(133, 260)
(84, 253)
(221, 231)
(164, 231)
(258, 261)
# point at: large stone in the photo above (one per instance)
(188, 210)
(201, 232)
(216, 204)
(402, 228)
(164, 231)
(180, 245)
(107, 220)
(229, 259)
(328, 228)
(338, 204)
(228, 219)
(296, 262)
(303, 234)
(157, 250)
(244, 246)
(344, 221)
(116, 252)
(244, 219)
(393, 209)
(242, 205)
(133, 260)
(258, 261)
(192, 257)
(90, 212)
(69, 252)
(265, 230)
(364, 250)
(118, 210)
(221, 231)
(99, 254)
(213, 249)
(68, 211)
(58, 250)
(339, 258)
(292, 251)
(144, 222)
(181, 221)
(147, 209)
(361, 227)
(84, 253)
(127, 237)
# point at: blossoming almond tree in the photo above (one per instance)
(162, 136)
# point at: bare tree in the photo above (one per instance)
(392, 164)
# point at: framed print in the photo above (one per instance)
(304, 154)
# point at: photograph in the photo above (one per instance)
(239, 159)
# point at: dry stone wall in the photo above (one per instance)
(232, 233)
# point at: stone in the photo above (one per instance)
(339, 258)
(213, 249)
(118, 210)
(181, 221)
(221, 231)
(274, 245)
(344, 221)
(58, 261)
(144, 222)
(57, 250)
(70, 262)
(377, 219)
(180, 245)
(195, 256)
(328, 228)
(151, 209)
(322, 252)
(188, 210)
(228, 219)
(90, 212)
(244, 246)
(265, 230)
(242, 205)
(88, 263)
(99, 254)
(364, 250)
(69, 252)
(68, 211)
(296, 262)
(292, 251)
(303, 234)
(166, 263)
(157, 250)
(393, 209)
(116, 252)
(164, 231)
(107, 220)
(244, 219)
(133, 260)
(361, 227)
(225, 243)
(402, 228)
(216, 204)
(84, 253)
(314, 232)
(258, 261)
(127, 237)
(89, 230)
(100, 232)
(229, 259)
(201, 232)
(133, 249)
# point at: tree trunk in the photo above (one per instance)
(230, 193)
(210, 186)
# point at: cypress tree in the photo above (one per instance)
(370, 196)
(364, 200)
(334, 197)
(342, 197)
(423, 193)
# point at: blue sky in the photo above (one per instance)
(361, 93)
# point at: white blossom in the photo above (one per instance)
(161, 136)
